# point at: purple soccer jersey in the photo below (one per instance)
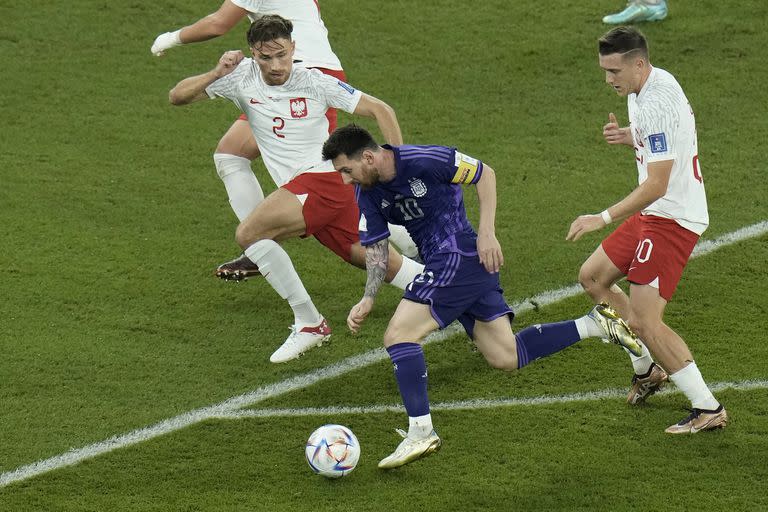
(426, 197)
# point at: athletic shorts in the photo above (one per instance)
(651, 250)
(330, 210)
(331, 113)
(457, 287)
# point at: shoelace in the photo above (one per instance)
(694, 414)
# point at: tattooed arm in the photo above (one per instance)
(376, 260)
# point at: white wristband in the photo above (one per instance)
(606, 217)
(165, 41)
(176, 37)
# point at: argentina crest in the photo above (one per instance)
(418, 188)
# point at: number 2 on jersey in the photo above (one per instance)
(279, 125)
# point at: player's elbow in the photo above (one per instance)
(382, 110)
(176, 98)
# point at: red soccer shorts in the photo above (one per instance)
(330, 210)
(331, 113)
(651, 250)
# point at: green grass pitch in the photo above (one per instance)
(112, 219)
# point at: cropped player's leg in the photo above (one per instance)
(638, 10)
(409, 325)
(401, 270)
(673, 353)
(278, 218)
(508, 351)
(401, 239)
(232, 158)
(598, 276)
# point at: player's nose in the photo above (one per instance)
(346, 178)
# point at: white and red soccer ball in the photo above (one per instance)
(332, 451)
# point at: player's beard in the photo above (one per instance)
(275, 79)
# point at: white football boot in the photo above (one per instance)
(300, 340)
(411, 449)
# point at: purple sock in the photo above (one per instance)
(537, 341)
(411, 375)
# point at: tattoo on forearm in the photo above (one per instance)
(376, 260)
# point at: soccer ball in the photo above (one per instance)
(332, 451)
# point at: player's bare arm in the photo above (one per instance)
(376, 261)
(213, 25)
(646, 193)
(385, 118)
(614, 134)
(192, 89)
(488, 246)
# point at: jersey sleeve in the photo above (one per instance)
(373, 225)
(657, 131)
(229, 86)
(334, 92)
(458, 169)
(252, 6)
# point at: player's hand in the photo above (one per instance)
(358, 313)
(584, 224)
(228, 62)
(489, 250)
(614, 134)
(165, 41)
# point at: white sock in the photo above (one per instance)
(400, 238)
(589, 328)
(407, 273)
(642, 363)
(420, 427)
(692, 384)
(276, 267)
(242, 186)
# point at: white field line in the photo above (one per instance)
(474, 404)
(77, 455)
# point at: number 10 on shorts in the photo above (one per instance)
(643, 251)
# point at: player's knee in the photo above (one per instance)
(395, 334)
(503, 361)
(247, 233)
(238, 143)
(644, 328)
(589, 282)
(398, 332)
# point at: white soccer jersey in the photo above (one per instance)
(663, 128)
(288, 121)
(309, 32)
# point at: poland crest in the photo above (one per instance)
(298, 107)
(418, 187)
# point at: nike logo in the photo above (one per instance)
(255, 102)
(632, 268)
